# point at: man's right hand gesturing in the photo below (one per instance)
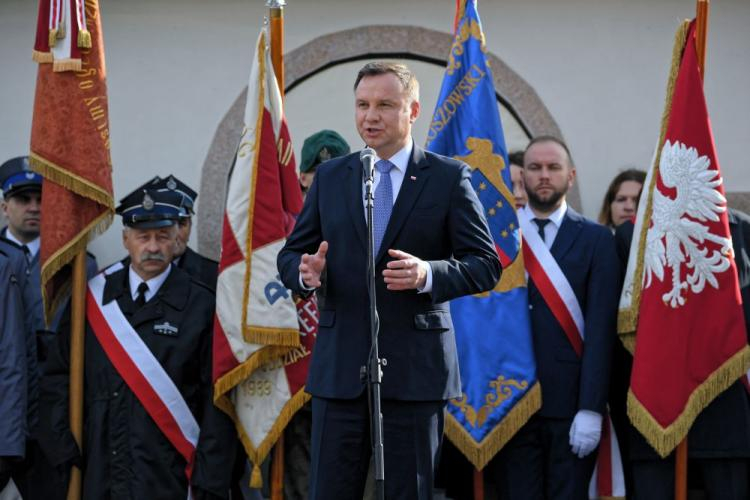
(311, 266)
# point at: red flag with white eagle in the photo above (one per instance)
(263, 337)
(681, 294)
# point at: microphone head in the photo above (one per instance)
(367, 154)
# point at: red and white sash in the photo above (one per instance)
(141, 371)
(608, 479)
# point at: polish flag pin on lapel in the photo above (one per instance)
(412, 178)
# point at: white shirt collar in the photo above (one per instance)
(153, 284)
(401, 159)
(33, 245)
(555, 217)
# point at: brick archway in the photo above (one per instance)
(319, 54)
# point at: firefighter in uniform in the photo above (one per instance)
(156, 433)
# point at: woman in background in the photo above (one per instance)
(621, 201)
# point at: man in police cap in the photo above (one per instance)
(20, 242)
(319, 147)
(200, 267)
(152, 428)
(22, 203)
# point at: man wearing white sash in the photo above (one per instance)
(573, 288)
(151, 429)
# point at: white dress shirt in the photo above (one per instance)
(33, 245)
(153, 284)
(551, 229)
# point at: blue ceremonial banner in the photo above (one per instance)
(493, 331)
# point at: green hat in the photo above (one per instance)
(320, 147)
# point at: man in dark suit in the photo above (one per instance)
(553, 455)
(432, 245)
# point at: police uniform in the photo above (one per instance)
(13, 373)
(125, 454)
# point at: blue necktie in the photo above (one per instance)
(383, 205)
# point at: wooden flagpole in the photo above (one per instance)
(681, 454)
(276, 15)
(77, 325)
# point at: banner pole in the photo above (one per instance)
(77, 325)
(276, 16)
(681, 454)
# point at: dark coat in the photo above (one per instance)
(585, 252)
(13, 365)
(199, 267)
(125, 454)
(436, 217)
(722, 429)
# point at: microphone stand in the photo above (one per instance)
(374, 369)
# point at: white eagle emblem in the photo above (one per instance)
(678, 235)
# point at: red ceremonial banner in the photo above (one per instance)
(70, 148)
(690, 339)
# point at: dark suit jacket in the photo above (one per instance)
(585, 251)
(436, 217)
(199, 267)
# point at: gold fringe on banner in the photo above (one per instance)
(63, 256)
(59, 65)
(479, 454)
(41, 57)
(61, 30)
(627, 320)
(665, 439)
(84, 39)
(253, 334)
(52, 37)
(68, 180)
(258, 453)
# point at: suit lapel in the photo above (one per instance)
(354, 200)
(414, 180)
(567, 234)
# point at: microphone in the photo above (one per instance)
(367, 157)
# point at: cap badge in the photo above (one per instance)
(148, 202)
(324, 155)
(171, 184)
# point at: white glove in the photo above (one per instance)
(585, 432)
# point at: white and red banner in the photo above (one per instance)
(608, 479)
(260, 353)
(681, 295)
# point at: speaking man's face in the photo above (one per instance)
(150, 250)
(548, 175)
(384, 113)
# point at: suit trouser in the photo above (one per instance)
(537, 463)
(341, 447)
(723, 478)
